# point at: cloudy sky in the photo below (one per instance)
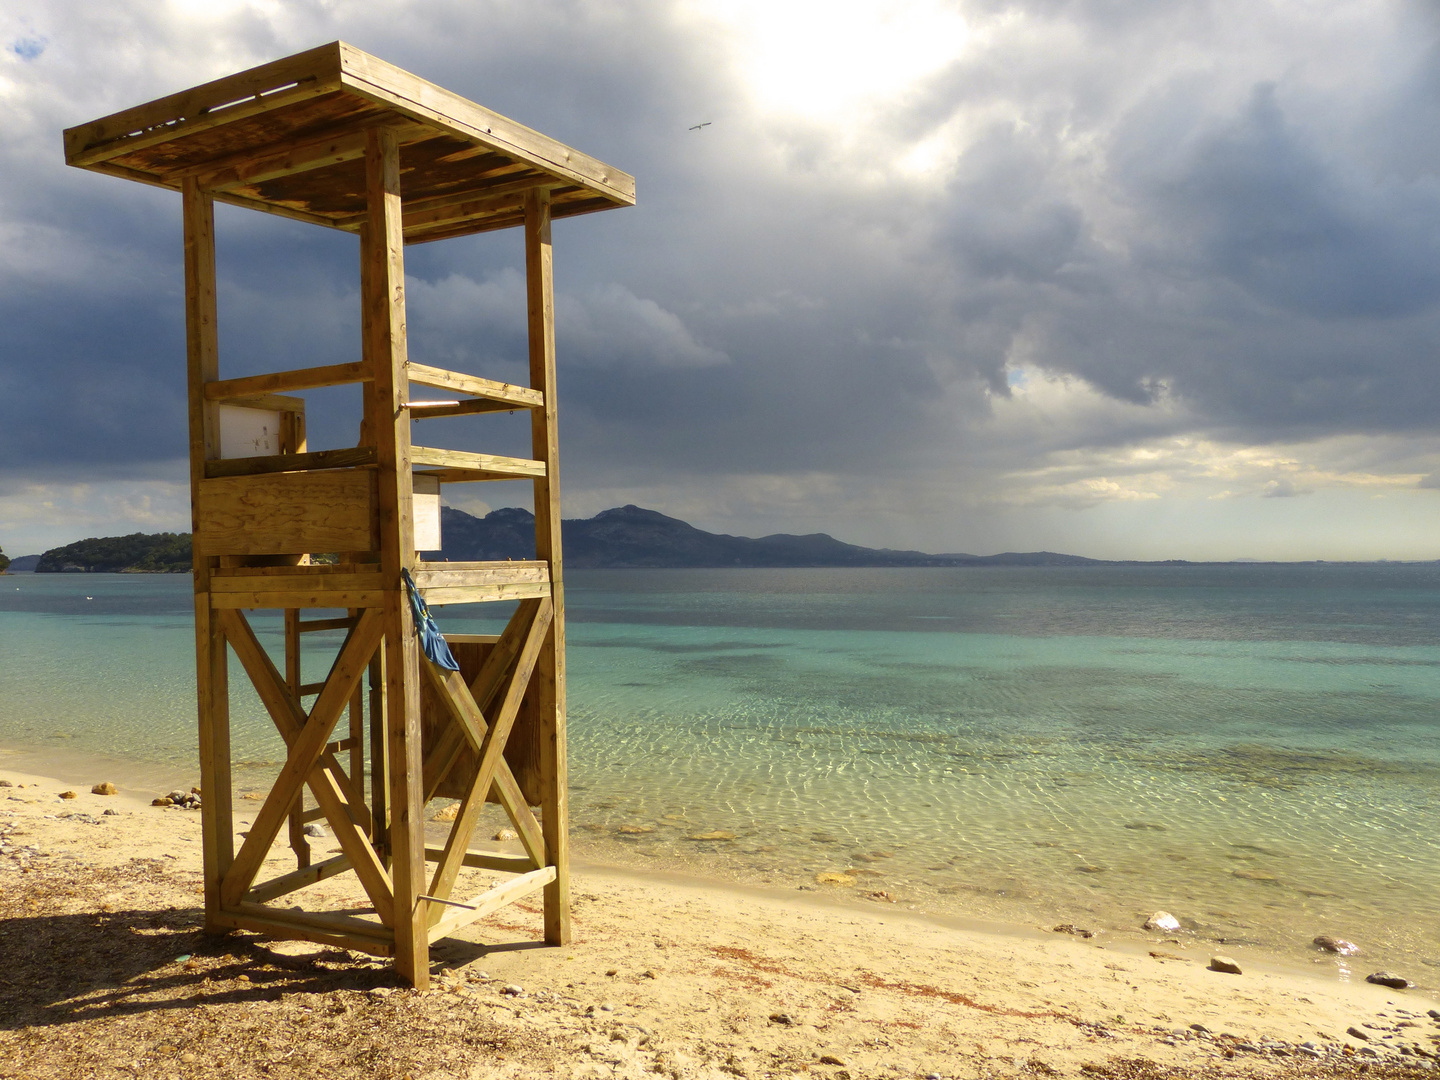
(1113, 277)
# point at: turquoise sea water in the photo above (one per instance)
(1253, 748)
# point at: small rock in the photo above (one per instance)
(105, 788)
(68, 795)
(448, 813)
(1355, 1032)
(111, 813)
(1385, 978)
(1071, 928)
(1434, 1014)
(506, 834)
(1310, 1051)
(1337, 945)
(511, 990)
(831, 1059)
(613, 972)
(784, 1019)
(1369, 1051)
(162, 801)
(313, 830)
(607, 1006)
(6, 783)
(1250, 1047)
(933, 1076)
(1225, 964)
(1162, 920)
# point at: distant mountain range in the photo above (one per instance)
(631, 537)
(626, 537)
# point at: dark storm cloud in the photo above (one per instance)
(1224, 214)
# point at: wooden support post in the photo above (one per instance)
(212, 683)
(382, 289)
(298, 843)
(549, 674)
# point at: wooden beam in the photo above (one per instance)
(550, 670)
(222, 101)
(280, 382)
(306, 736)
(281, 403)
(432, 410)
(420, 100)
(440, 379)
(350, 457)
(492, 465)
(212, 678)
(325, 927)
(515, 889)
(248, 167)
(488, 860)
(489, 754)
(297, 879)
(382, 305)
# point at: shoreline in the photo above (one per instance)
(612, 856)
(703, 967)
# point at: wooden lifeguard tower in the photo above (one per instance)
(336, 137)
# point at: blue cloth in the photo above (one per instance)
(432, 642)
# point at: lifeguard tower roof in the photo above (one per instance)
(289, 138)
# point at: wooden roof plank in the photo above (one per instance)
(423, 100)
(222, 101)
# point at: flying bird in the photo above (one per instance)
(697, 127)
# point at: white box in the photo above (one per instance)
(426, 511)
(249, 432)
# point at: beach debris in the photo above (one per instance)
(831, 1059)
(1357, 1033)
(717, 834)
(254, 796)
(1162, 920)
(1385, 978)
(105, 787)
(1071, 928)
(783, 1019)
(831, 877)
(1225, 964)
(1337, 945)
(506, 834)
(881, 894)
(648, 974)
(447, 813)
(68, 795)
(313, 830)
(112, 812)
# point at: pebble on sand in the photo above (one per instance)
(1071, 928)
(1337, 945)
(446, 813)
(314, 830)
(105, 787)
(1385, 978)
(68, 795)
(506, 834)
(1225, 964)
(1162, 920)
(831, 1059)
(1355, 1032)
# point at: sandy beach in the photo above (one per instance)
(107, 974)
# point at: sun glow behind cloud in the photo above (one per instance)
(823, 62)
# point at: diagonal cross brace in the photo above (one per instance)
(487, 683)
(307, 737)
(489, 752)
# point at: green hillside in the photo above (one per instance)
(138, 553)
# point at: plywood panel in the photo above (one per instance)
(288, 513)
